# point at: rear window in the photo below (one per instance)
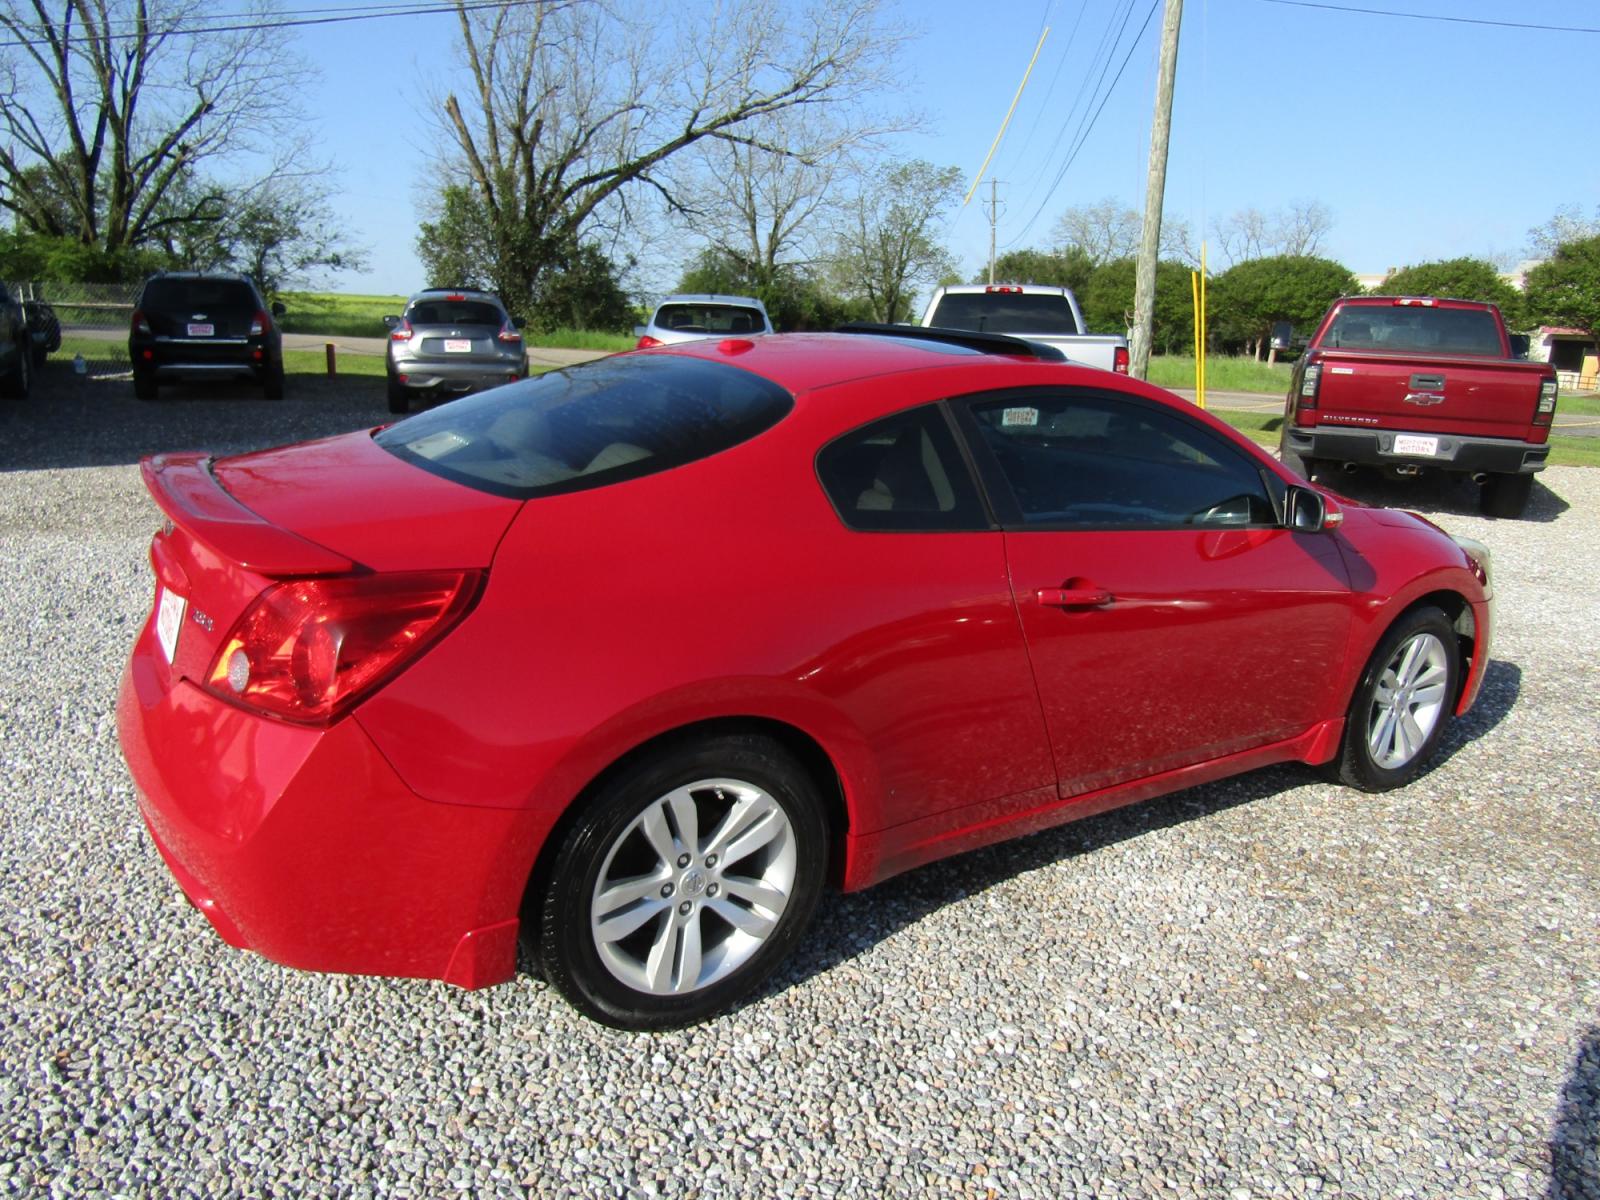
(199, 295)
(1006, 312)
(710, 318)
(455, 312)
(1412, 327)
(603, 422)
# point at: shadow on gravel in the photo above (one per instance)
(847, 925)
(1435, 493)
(1575, 1142)
(73, 421)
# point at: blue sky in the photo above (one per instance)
(1424, 139)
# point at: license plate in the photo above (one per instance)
(458, 346)
(169, 619)
(202, 330)
(1410, 443)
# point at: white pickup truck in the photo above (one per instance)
(1027, 310)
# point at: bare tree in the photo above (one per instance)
(108, 108)
(887, 240)
(1108, 231)
(574, 108)
(1296, 230)
(1568, 224)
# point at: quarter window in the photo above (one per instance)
(1086, 461)
(901, 473)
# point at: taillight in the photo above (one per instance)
(1002, 289)
(1546, 412)
(1119, 360)
(308, 649)
(1309, 383)
(646, 341)
(508, 333)
(260, 323)
(401, 332)
(141, 323)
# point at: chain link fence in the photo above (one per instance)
(93, 320)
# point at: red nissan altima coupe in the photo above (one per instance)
(632, 660)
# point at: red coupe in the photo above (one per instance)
(632, 660)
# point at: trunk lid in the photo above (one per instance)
(1430, 393)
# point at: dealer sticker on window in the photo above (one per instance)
(1019, 416)
(1410, 443)
(169, 618)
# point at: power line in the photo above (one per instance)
(302, 18)
(1415, 16)
(1061, 174)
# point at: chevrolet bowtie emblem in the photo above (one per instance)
(1424, 398)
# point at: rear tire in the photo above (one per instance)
(683, 883)
(1300, 466)
(1506, 495)
(399, 398)
(145, 386)
(272, 384)
(1402, 705)
(19, 382)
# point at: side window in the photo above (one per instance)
(901, 473)
(1103, 462)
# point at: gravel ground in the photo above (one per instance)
(1265, 987)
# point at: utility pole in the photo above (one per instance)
(1144, 294)
(994, 218)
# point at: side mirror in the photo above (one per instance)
(391, 322)
(1282, 335)
(1309, 511)
(278, 309)
(1519, 345)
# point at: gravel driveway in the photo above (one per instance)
(1264, 987)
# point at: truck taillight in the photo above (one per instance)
(1408, 301)
(1003, 289)
(1546, 411)
(1309, 383)
(1119, 360)
(307, 649)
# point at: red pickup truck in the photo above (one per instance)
(1414, 383)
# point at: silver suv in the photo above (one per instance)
(685, 318)
(451, 341)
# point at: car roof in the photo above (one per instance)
(464, 293)
(808, 362)
(711, 298)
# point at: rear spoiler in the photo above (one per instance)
(186, 491)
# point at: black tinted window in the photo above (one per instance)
(710, 318)
(1414, 327)
(1006, 312)
(455, 312)
(1088, 461)
(614, 419)
(901, 473)
(198, 295)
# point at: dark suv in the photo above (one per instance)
(186, 323)
(451, 341)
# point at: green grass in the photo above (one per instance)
(339, 315)
(580, 339)
(1222, 374)
(1584, 404)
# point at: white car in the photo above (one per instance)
(685, 318)
(1034, 311)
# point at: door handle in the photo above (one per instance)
(1087, 596)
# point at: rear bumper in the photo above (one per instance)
(454, 377)
(186, 356)
(1375, 448)
(305, 846)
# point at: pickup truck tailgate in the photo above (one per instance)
(1429, 394)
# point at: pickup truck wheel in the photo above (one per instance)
(17, 384)
(1506, 495)
(1402, 704)
(1300, 466)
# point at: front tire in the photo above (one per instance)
(1506, 495)
(685, 881)
(1402, 705)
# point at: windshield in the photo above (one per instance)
(455, 312)
(1006, 312)
(1413, 327)
(710, 318)
(614, 419)
(199, 295)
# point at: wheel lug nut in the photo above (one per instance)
(666, 889)
(711, 860)
(683, 860)
(711, 889)
(686, 908)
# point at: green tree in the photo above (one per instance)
(1069, 269)
(1565, 288)
(1459, 279)
(795, 298)
(1246, 300)
(887, 244)
(1108, 303)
